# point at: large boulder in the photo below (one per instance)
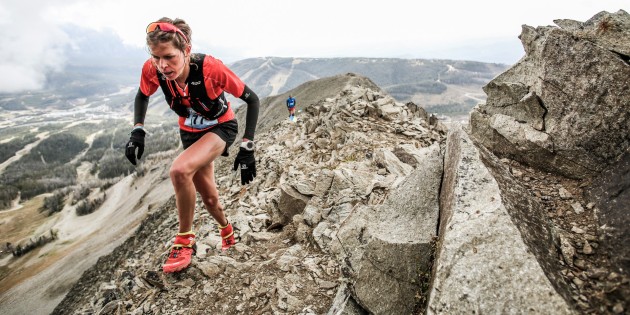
(563, 107)
(387, 248)
(563, 110)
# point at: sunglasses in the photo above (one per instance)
(165, 27)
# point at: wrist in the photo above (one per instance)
(248, 145)
(138, 130)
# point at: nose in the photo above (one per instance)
(161, 63)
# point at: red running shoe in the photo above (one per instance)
(227, 236)
(183, 249)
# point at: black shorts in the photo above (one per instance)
(226, 131)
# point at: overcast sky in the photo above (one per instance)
(32, 40)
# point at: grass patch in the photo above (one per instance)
(20, 224)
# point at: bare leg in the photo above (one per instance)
(207, 188)
(197, 159)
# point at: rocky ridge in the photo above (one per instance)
(347, 150)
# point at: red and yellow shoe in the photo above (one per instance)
(184, 247)
(227, 236)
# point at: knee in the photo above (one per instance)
(211, 201)
(179, 174)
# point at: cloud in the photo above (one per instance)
(31, 46)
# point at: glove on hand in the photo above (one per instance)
(246, 162)
(135, 141)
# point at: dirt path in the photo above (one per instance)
(89, 140)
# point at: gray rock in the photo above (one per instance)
(567, 250)
(390, 161)
(577, 207)
(291, 202)
(609, 30)
(323, 234)
(344, 304)
(480, 246)
(529, 216)
(610, 193)
(587, 249)
(312, 215)
(572, 86)
(388, 247)
(564, 194)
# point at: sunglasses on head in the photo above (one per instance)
(165, 27)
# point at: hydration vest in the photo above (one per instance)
(197, 94)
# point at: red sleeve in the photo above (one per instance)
(148, 80)
(217, 75)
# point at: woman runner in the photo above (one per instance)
(194, 86)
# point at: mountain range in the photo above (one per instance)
(449, 87)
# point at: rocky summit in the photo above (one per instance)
(365, 205)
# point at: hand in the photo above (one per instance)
(246, 162)
(135, 141)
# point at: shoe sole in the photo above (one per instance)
(174, 268)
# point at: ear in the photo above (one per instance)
(187, 51)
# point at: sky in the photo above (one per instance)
(33, 41)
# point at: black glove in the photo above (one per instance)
(246, 162)
(135, 141)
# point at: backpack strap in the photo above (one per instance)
(197, 94)
(199, 100)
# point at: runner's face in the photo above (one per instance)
(169, 60)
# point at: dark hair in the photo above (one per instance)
(159, 36)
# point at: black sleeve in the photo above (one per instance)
(140, 106)
(253, 104)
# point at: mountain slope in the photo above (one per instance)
(39, 280)
(273, 109)
(281, 263)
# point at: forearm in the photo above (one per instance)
(253, 105)
(140, 106)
